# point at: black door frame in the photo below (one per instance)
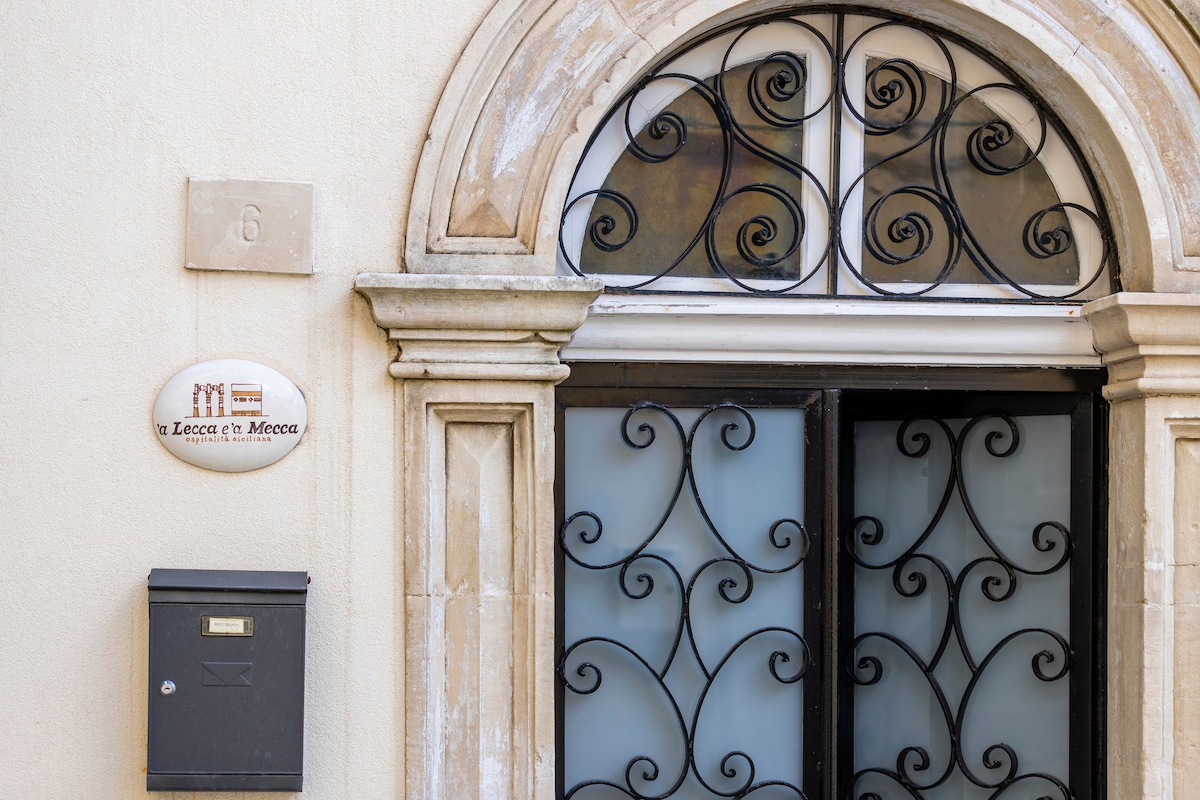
(840, 396)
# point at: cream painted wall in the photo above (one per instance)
(105, 109)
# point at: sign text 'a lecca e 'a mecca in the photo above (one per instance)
(230, 415)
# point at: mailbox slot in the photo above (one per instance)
(226, 693)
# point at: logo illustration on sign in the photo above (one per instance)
(246, 397)
(230, 415)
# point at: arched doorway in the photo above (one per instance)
(532, 88)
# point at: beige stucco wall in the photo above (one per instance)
(105, 110)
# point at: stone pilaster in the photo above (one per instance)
(477, 366)
(1151, 344)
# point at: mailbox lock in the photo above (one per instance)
(167, 688)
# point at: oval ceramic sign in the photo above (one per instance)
(230, 415)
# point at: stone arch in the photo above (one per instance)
(538, 75)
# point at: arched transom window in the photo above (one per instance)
(836, 154)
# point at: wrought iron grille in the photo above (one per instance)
(714, 592)
(717, 639)
(998, 577)
(836, 154)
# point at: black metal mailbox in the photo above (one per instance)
(226, 709)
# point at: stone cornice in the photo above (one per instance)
(1150, 342)
(474, 327)
(741, 329)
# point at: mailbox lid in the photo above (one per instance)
(229, 586)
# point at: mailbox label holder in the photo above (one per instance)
(226, 626)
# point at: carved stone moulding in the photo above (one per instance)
(478, 327)
(1150, 342)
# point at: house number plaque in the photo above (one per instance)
(246, 225)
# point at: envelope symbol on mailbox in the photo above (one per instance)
(227, 673)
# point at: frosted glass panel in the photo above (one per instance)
(684, 657)
(961, 658)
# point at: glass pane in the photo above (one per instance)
(683, 652)
(673, 177)
(928, 148)
(962, 656)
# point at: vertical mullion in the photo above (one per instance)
(835, 167)
(833, 754)
(816, 762)
(842, 584)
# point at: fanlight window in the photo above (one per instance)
(834, 154)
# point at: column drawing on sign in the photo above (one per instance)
(209, 389)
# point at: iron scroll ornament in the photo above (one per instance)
(717, 183)
(778, 651)
(998, 575)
